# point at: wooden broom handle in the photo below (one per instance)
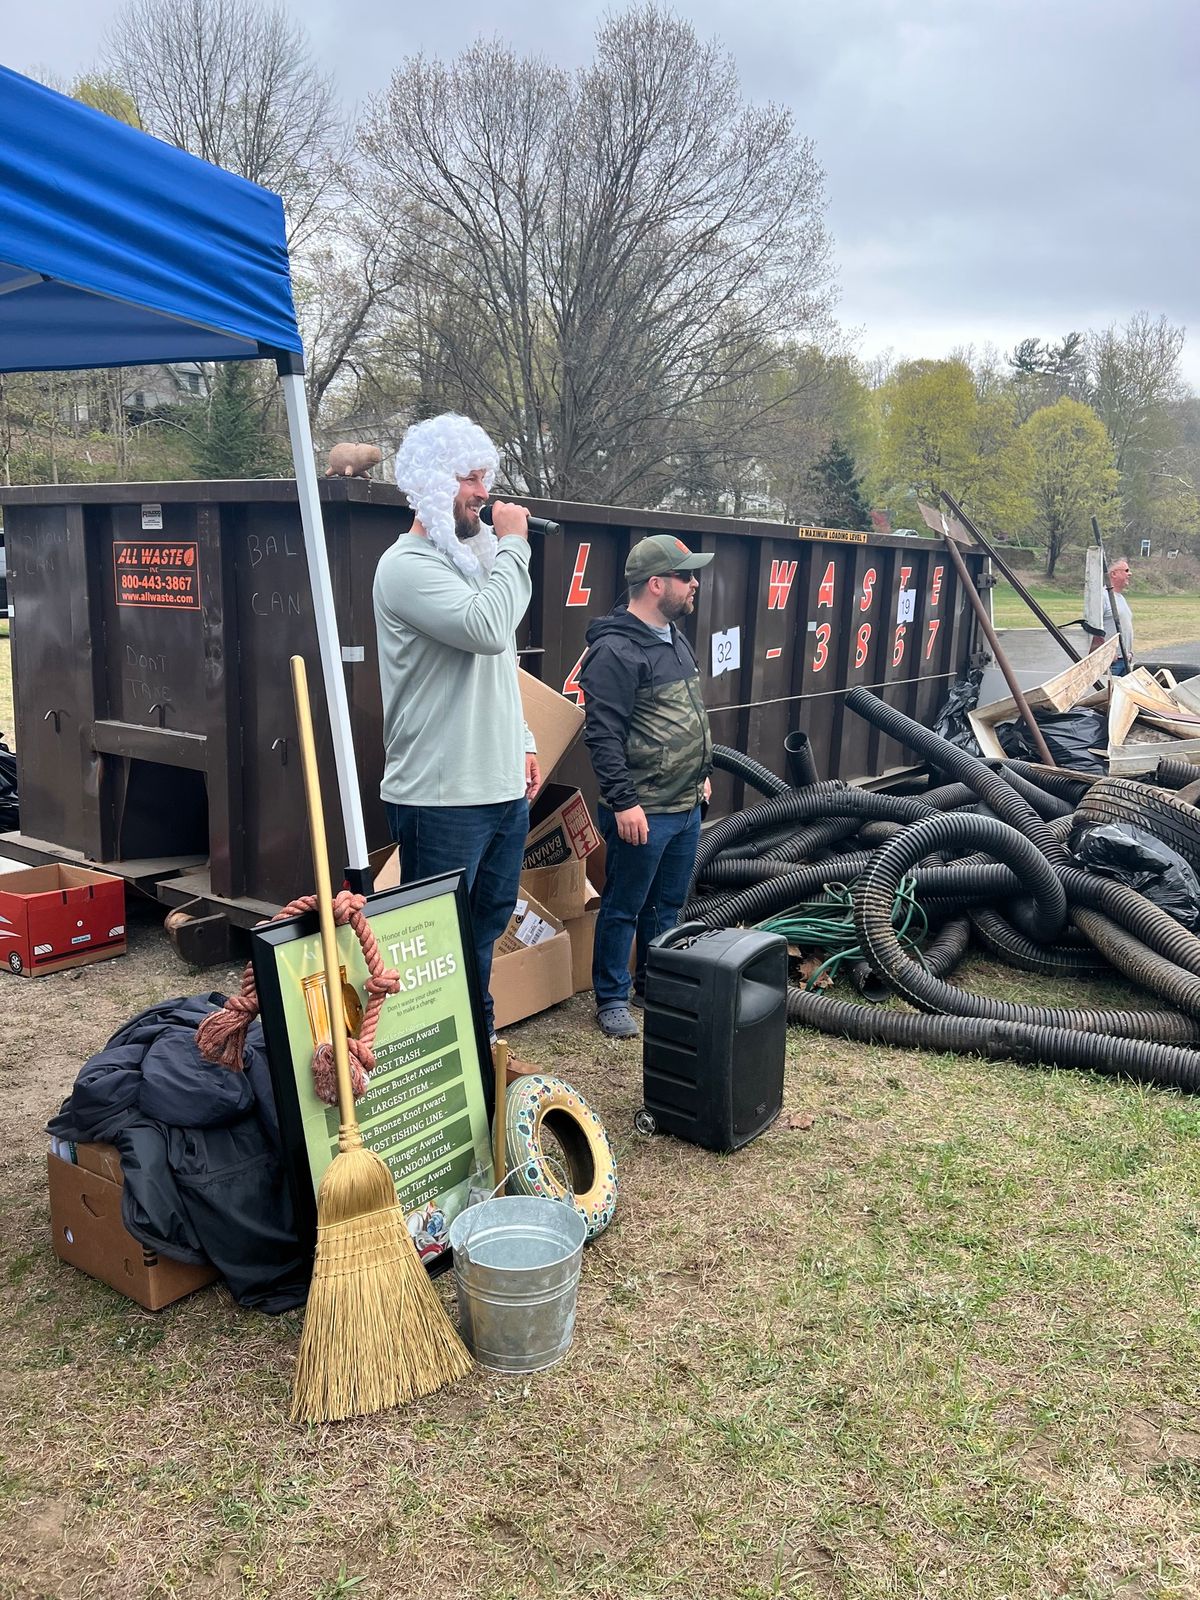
(499, 1139)
(324, 888)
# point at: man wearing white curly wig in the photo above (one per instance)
(461, 768)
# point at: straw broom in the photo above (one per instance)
(375, 1332)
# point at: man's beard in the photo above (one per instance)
(466, 524)
(672, 610)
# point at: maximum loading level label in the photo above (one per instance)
(832, 535)
(156, 572)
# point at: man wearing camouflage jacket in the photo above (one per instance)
(648, 738)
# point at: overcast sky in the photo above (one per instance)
(996, 168)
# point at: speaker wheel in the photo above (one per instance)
(644, 1123)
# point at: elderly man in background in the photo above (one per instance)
(460, 764)
(1119, 575)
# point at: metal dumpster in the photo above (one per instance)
(153, 623)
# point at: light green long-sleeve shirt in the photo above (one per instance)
(453, 728)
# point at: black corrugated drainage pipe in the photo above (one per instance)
(801, 763)
(810, 805)
(988, 785)
(1054, 782)
(1058, 960)
(1047, 806)
(996, 1040)
(749, 770)
(874, 898)
(1171, 773)
(774, 894)
(941, 955)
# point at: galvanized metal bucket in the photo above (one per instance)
(516, 1267)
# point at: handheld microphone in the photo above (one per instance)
(536, 524)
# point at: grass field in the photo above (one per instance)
(1159, 620)
(941, 1339)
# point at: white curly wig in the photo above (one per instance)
(432, 457)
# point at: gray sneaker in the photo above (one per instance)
(617, 1022)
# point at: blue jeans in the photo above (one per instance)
(485, 842)
(645, 886)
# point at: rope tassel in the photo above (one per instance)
(221, 1037)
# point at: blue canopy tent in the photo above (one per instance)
(118, 250)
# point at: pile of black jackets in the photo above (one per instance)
(200, 1151)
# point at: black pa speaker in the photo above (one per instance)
(714, 1035)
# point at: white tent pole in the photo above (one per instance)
(326, 620)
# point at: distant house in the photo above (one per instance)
(158, 388)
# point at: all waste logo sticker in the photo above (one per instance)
(162, 573)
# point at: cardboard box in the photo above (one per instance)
(564, 890)
(528, 977)
(384, 865)
(85, 1218)
(582, 933)
(560, 828)
(530, 924)
(530, 980)
(55, 917)
(554, 721)
(102, 1159)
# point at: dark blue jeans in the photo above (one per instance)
(645, 886)
(485, 842)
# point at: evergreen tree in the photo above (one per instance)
(837, 490)
(231, 433)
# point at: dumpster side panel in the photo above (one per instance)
(786, 621)
(724, 620)
(273, 600)
(51, 649)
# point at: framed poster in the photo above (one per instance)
(427, 1110)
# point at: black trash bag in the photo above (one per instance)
(951, 723)
(9, 815)
(1136, 858)
(1071, 737)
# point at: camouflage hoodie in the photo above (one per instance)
(646, 729)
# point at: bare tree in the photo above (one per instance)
(597, 257)
(1135, 379)
(234, 81)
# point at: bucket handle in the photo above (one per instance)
(465, 1246)
(512, 1171)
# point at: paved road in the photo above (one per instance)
(1035, 657)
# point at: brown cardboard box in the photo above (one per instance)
(582, 931)
(563, 889)
(85, 1218)
(529, 980)
(530, 924)
(560, 828)
(384, 865)
(526, 978)
(102, 1159)
(554, 721)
